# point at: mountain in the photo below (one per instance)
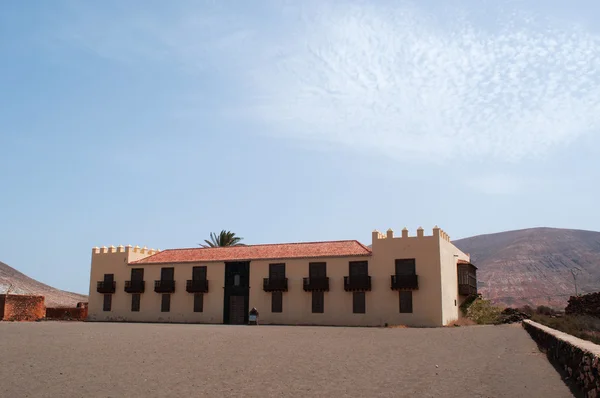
(22, 284)
(533, 266)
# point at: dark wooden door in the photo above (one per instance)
(137, 274)
(277, 271)
(317, 270)
(199, 273)
(237, 310)
(237, 293)
(405, 266)
(359, 268)
(167, 274)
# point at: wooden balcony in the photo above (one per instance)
(466, 289)
(316, 284)
(106, 287)
(135, 286)
(467, 279)
(357, 283)
(164, 286)
(275, 284)
(405, 282)
(196, 286)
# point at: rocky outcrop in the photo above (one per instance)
(588, 304)
(512, 315)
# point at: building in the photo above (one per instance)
(410, 280)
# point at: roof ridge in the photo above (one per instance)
(364, 247)
(331, 248)
(270, 244)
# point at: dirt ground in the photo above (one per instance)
(60, 359)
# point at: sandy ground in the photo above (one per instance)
(60, 359)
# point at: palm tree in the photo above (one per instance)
(224, 238)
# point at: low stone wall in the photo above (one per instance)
(73, 314)
(16, 307)
(580, 359)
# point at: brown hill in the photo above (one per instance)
(20, 283)
(533, 266)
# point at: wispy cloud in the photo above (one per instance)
(398, 81)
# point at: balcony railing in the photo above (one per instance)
(275, 284)
(357, 283)
(408, 282)
(164, 286)
(316, 284)
(196, 286)
(466, 289)
(467, 279)
(135, 286)
(106, 287)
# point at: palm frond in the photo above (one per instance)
(224, 238)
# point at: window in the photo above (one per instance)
(277, 302)
(199, 273)
(358, 303)
(137, 274)
(405, 266)
(198, 302)
(276, 271)
(317, 270)
(358, 268)
(165, 305)
(406, 306)
(107, 302)
(167, 274)
(108, 279)
(236, 280)
(318, 302)
(135, 302)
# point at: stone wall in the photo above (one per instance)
(16, 307)
(580, 359)
(72, 314)
(587, 304)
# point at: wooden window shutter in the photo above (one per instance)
(358, 303)
(135, 302)
(406, 306)
(277, 302)
(198, 302)
(165, 305)
(318, 302)
(107, 302)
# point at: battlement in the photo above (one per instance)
(124, 249)
(437, 231)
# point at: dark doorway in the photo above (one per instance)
(237, 292)
(167, 274)
(109, 279)
(358, 268)
(137, 274)
(199, 273)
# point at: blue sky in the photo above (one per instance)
(153, 124)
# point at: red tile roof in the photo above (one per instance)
(342, 248)
(463, 262)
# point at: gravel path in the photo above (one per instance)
(59, 359)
